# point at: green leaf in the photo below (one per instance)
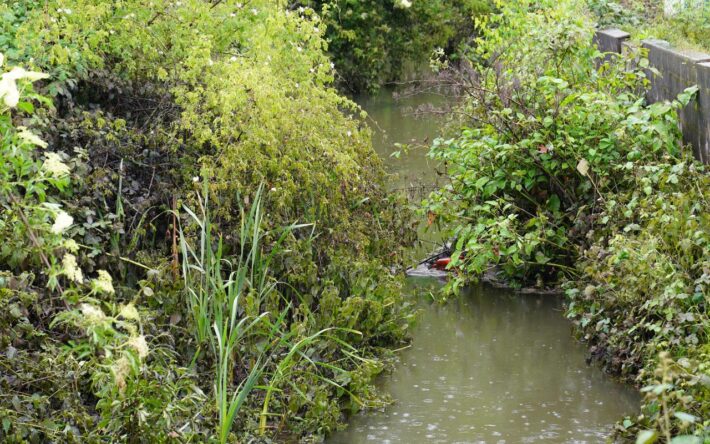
(685, 417)
(687, 439)
(26, 107)
(646, 437)
(541, 258)
(685, 97)
(658, 109)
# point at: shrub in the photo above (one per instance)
(563, 173)
(687, 27)
(546, 126)
(147, 98)
(372, 41)
(645, 289)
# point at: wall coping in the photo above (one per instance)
(689, 55)
(616, 33)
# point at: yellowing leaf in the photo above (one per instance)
(646, 437)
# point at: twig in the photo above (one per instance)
(34, 240)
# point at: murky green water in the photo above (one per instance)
(402, 121)
(493, 366)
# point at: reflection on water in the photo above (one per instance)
(494, 367)
(395, 121)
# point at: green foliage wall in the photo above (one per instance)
(687, 28)
(373, 41)
(150, 101)
(562, 173)
(545, 133)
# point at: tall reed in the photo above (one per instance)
(220, 321)
(214, 301)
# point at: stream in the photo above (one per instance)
(492, 366)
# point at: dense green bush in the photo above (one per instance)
(687, 28)
(609, 13)
(545, 132)
(152, 105)
(644, 291)
(376, 41)
(563, 173)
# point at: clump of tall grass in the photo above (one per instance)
(216, 288)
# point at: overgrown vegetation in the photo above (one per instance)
(684, 23)
(148, 291)
(562, 173)
(375, 41)
(642, 303)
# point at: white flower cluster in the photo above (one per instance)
(121, 369)
(403, 4)
(9, 93)
(30, 137)
(62, 222)
(54, 166)
(92, 314)
(71, 246)
(71, 270)
(104, 283)
(130, 312)
(139, 344)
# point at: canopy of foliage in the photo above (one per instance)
(375, 41)
(149, 109)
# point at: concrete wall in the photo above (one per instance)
(678, 71)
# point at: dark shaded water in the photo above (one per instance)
(493, 366)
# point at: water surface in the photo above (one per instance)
(405, 120)
(494, 367)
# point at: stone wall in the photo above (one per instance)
(678, 71)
